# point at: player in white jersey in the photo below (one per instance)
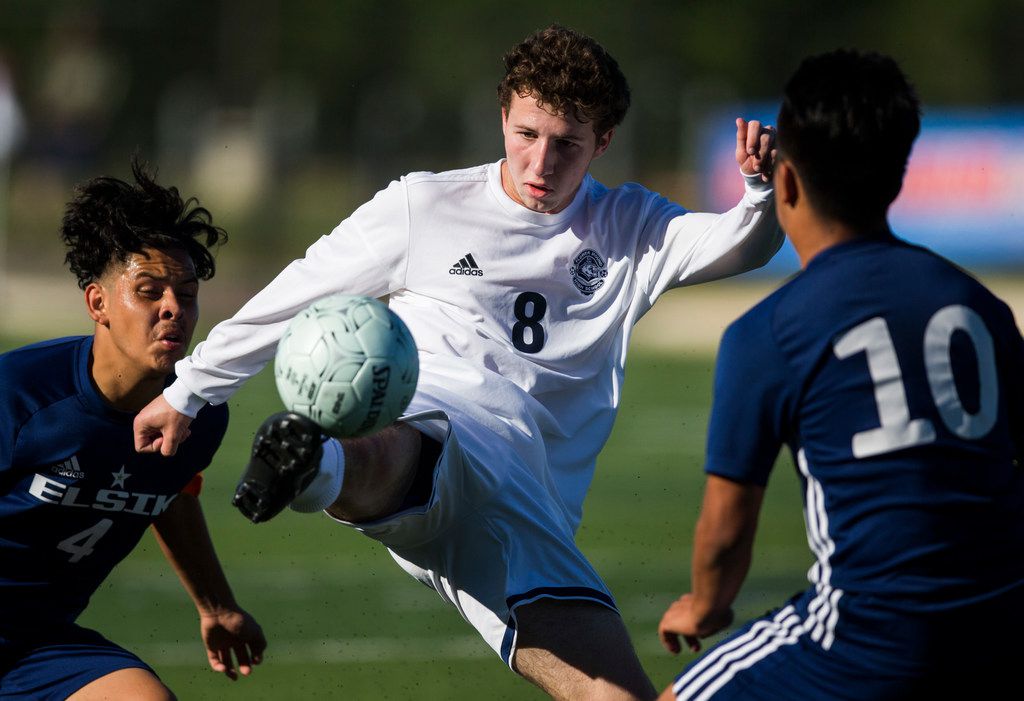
(520, 281)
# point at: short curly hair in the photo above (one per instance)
(109, 219)
(567, 73)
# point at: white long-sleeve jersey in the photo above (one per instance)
(521, 319)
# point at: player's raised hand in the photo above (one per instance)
(755, 148)
(232, 636)
(682, 619)
(160, 428)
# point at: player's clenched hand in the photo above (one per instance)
(683, 619)
(231, 636)
(159, 427)
(755, 148)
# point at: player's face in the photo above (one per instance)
(149, 307)
(546, 155)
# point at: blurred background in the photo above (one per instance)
(282, 116)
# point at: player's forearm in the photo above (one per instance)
(239, 347)
(364, 255)
(717, 573)
(721, 245)
(182, 534)
(723, 546)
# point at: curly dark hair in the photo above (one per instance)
(567, 73)
(109, 219)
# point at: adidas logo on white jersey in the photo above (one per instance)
(466, 266)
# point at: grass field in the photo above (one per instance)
(344, 622)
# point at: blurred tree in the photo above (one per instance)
(348, 94)
(429, 56)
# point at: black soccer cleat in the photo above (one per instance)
(285, 458)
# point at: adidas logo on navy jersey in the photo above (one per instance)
(466, 266)
(69, 468)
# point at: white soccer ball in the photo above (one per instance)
(348, 363)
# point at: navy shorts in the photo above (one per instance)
(825, 645)
(53, 662)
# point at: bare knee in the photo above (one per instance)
(379, 470)
(133, 683)
(578, 650)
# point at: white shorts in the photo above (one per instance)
(487, 541)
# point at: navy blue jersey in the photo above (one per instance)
(75, 497)
(896, 380)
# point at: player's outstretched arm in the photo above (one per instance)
(700, 247)
(755, 148)
(229, 633)
(722, 549)
(160, 428)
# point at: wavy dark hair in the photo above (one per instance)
(567, 73)
(109, 219)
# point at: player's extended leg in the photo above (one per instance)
(578, 650)
(572, 649)
(379, 472)
(356, 480)
(132, 683)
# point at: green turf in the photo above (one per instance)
(344, 622)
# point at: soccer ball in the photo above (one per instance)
(348, 363)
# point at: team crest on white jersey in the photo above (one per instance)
(588, 271)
